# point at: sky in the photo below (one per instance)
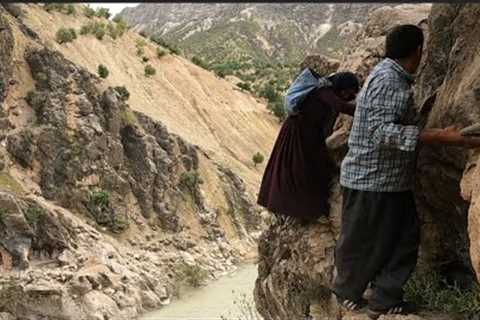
(114, 7)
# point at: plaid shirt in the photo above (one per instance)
(383, 139)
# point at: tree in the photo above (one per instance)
(102, 71)
(257, 158)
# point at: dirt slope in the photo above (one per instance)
(192, 102)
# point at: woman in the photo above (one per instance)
(297, 178)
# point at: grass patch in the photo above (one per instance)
(128, 117)
(33, 215)
(190, 180)
(431, 292)
(100, 199)
(9, 183)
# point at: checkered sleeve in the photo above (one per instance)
(388, 105)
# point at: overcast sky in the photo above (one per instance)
(114, 7)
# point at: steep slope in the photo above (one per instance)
(281, 32)
(104, 213)
(207, 111)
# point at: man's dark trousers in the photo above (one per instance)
(378, 244)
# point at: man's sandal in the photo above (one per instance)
(351, 305)
(402, 308)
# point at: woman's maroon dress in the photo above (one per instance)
(297, 178)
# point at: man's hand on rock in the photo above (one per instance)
(449, 136)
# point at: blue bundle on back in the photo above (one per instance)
(301, 87)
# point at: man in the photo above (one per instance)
(379, 236)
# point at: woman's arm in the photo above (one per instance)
(342, 106)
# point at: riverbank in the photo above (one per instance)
(229, 297)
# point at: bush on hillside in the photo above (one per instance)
(88, 12)
(102, 71)
(160, 53)
(65, 35)
(145, 59)
(123, 92)
(257, 158)
(244, 86)
(103, 13)
(60, 7)
(277, 109)
(199, 62)
(161, 42)
(149, 70)
(191, 180)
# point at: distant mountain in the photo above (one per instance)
(251, 32)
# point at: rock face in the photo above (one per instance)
(445, 175)
(296, 262)
(104, 211)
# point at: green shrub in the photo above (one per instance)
(244, 86)
(123, 92)
(149, 70)
(277, 109)
(103, 71)
(99, 31)
(257, 158)
(53, 7)
(171, 48)
(120, 25)
(70, 9)
(145, 59)
(128, 117)
(88, 12)
(60, 7)
(33, 215)
(84, 30)
(160, 53)
(65, 35)
(100, 199)
(268, 92)
(103, 13)
(199, 62)
(191, 180)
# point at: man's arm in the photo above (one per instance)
(448, 137)
(385, 110)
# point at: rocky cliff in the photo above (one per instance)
(296, 261)
(104, 213)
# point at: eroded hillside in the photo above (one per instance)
(104, 212)
(207, 111)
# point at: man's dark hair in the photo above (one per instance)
(344, 80)
(403, 40)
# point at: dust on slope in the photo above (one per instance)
(192, 102)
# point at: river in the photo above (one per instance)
(227, 297)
